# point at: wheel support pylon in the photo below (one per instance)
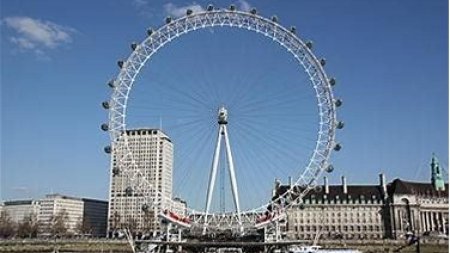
(223, 133)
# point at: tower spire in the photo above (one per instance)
(436, 175)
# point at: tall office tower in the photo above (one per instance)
(152, 162)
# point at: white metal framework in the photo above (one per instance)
(299, 49)
(223, 133)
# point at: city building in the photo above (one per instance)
(19, 210)
(370, 211)
(152, 161)
(77, 215)
(70, 210)
(419, 207)
(338, 211)
(95, 214)
(179, 206)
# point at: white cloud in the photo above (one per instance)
(22, 42)
(143, 8)
(20, 188)
(179, 11)
(37, 35)
(140, 3)
(244, 5)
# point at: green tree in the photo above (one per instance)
(58, 223)
(28, 227)
(7, 225)
(24, 228)
(84, 226)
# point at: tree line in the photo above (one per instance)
(31, 227)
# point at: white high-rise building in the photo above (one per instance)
(153, 159)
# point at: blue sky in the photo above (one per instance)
(390, 59)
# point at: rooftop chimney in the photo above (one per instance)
(383, 184)
(325, 183)
(344, 184)
(290, 182)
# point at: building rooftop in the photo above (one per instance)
(337, 191)
(94, 200)
(399, 186)
(18, 202)
(367, 192)
(60, 196)
(147, 131)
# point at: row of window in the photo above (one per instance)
(339, 236)
(341, 208)
(344, 220)
(337, 213)
(368, 228)
(343, 201)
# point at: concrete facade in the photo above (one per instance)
(18, 210)
(76, 210)
(153, 156)
(179, 206)
(55, 204)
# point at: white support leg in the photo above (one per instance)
(232, 176)
(212, 176)
(223, 133)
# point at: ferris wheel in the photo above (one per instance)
(237, 219)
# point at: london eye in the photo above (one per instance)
(231, 141)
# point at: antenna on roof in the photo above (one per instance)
(160, 123)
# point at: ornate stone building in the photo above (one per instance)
(370, 211)
(419, 208)
(340, 212)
